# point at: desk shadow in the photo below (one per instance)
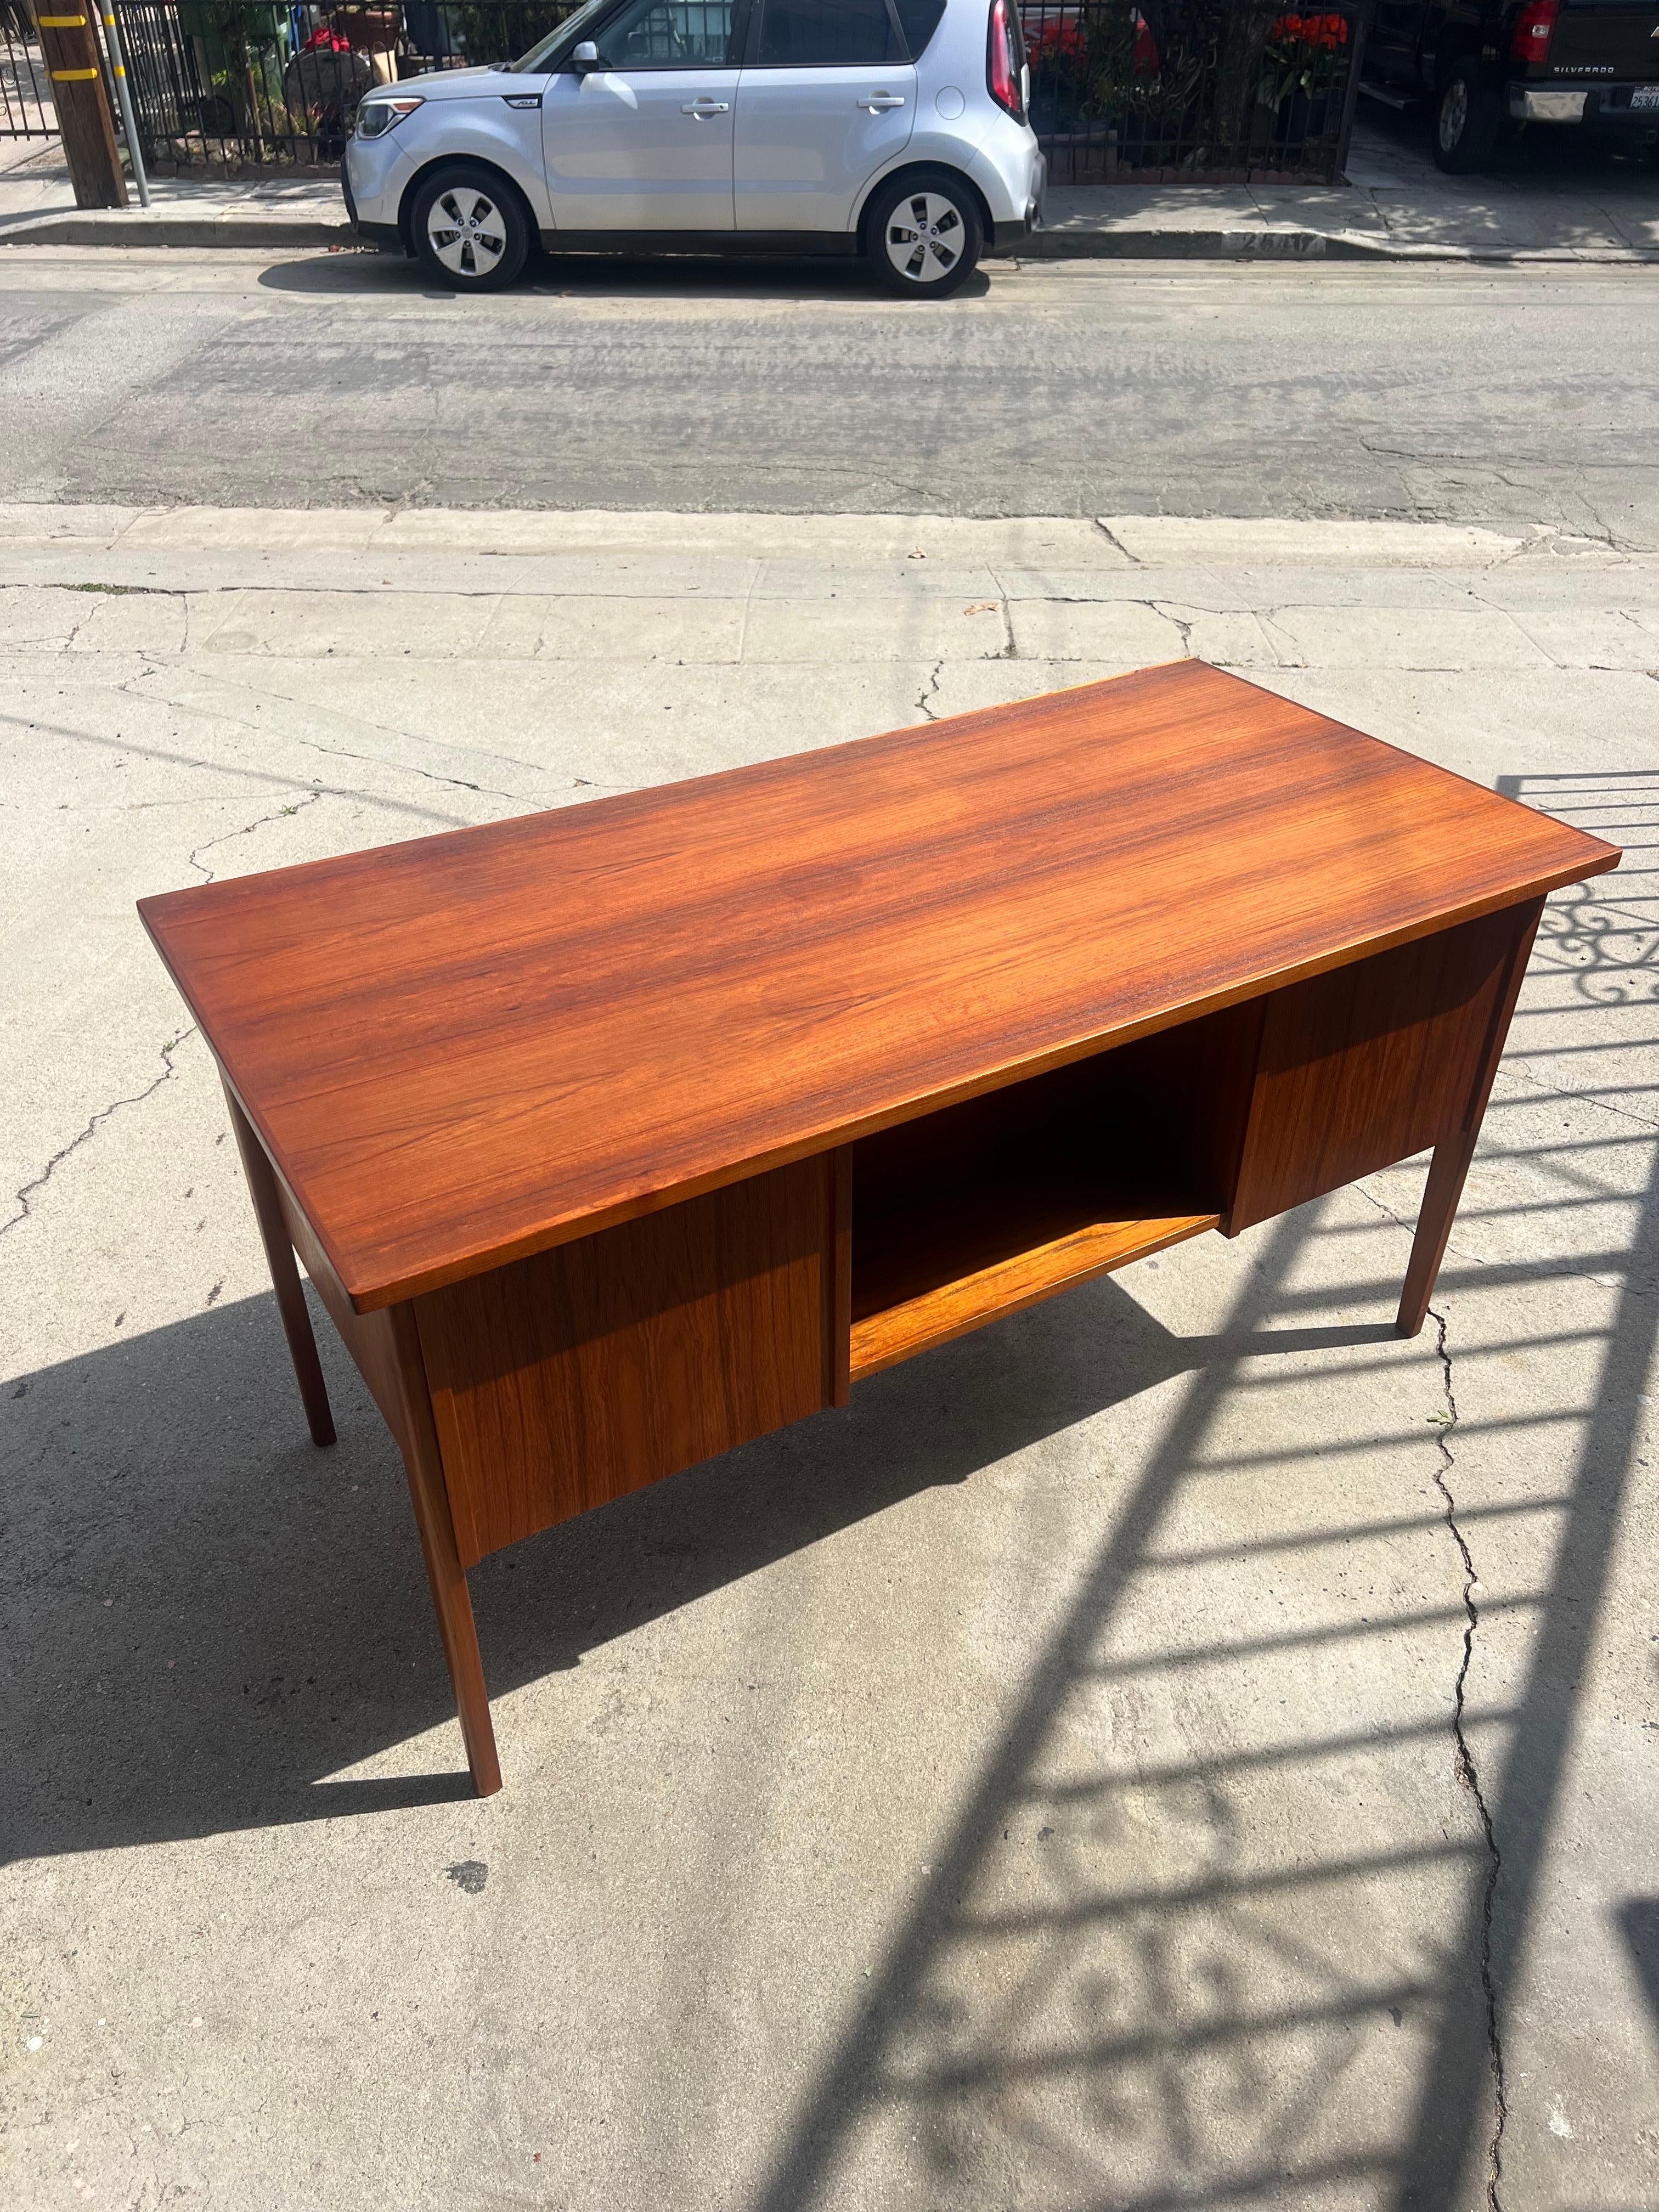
(1639, 1923)
(206, 1615)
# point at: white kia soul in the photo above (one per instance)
(895, 129)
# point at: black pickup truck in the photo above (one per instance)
(1487, 63)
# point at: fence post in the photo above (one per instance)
(69, 47)
(1361, 17)
(118, 69)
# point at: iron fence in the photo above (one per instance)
(241, 83)
(1121, 90)
(1199, 90)
(26, 108)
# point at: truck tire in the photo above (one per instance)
(1467, 120)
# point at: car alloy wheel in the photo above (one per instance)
(925, 237)
(466, 231)
(1453, 115)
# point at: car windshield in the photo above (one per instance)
(540, 60)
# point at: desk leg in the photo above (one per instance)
(284, 1276)
(1453, 1154)
(451, 1600)
(1449, 1166)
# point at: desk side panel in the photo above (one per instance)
(565, 1380)
(369, 1337)
(1373, 1062)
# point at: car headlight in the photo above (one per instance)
(376, 116)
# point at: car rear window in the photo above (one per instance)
(802, 34)
(920, 19)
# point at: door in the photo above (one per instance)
(1392, 42)
(644, 141)
(827, 97)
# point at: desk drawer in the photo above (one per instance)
(563, 1381)
(1372, 1062)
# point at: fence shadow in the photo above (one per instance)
(1262, 1971)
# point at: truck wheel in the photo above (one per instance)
(1467, 121)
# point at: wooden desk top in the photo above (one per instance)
(472, 1047)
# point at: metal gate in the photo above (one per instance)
(26, 108)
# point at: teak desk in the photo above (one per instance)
(614, 1137)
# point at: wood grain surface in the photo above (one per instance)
(470, 1048)
(1372, 1064)
(565, 1380)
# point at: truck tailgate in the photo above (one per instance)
(1602, 38)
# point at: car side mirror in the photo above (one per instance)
(585, 56)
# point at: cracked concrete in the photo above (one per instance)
(1469, 1773)
(1083, 1773)
(24, 1196)
(193, 859)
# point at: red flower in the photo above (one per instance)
(1329, 32)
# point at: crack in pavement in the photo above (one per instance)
(23, 1196)
(318, 791)
(1521, 1073)
(1117, 545)
(929, 692)
(1468, 1772)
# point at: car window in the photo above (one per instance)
(667, 35)
(547, 52)
(920, 19)
(800, 33)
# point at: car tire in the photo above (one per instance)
(1467, 120)
(923, 235)
(470, 229)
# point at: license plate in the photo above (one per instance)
(1645, 95)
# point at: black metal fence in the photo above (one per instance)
(1161, 89)
(239, 83)
(26, 108)
(1199, 90)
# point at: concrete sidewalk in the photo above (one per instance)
(1036, 1784)
(1395, 206)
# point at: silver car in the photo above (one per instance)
(895, 129)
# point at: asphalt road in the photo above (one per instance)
(1446, 393)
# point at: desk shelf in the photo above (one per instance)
(895, 1330)
(990, 1206)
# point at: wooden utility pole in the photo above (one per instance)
(68, 47)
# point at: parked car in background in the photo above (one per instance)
(896, 129)
(1593, 64)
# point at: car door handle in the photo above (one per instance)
(878, 100)
(702, 105)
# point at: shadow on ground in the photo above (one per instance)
(258, 1611)
(664, 277)
(1541, 158)
(1118, 2032)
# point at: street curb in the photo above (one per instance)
(148, 228)
(1286, 244)
(142, 227)
(1184, 245)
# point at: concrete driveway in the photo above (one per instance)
(1180, 1746)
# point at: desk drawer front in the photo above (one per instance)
(1372, 1062)
(566, 1380)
